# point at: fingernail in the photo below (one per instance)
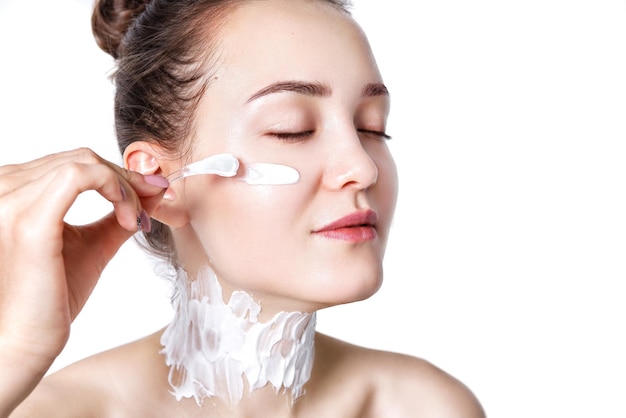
(143, 222)
(156, 180)
(123, 192)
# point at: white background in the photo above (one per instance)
(508, 251)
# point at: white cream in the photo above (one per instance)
(211, 346)
(267, 173)
(227, 165)
(224, 165)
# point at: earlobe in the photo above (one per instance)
(148, 159)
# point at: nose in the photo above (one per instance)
(350, 166)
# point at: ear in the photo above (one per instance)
(149, 158)
(143, 158)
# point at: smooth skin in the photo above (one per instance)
(332, 133)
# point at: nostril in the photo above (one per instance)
(357, 170)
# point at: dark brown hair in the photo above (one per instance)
(163, 50)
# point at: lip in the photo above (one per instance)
(355, 227)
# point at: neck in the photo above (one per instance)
(219, 349)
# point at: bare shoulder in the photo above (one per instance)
(409, 384)
(96, 386)
(405, 386)
(67, 393)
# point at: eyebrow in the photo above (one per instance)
(375, 89)
(301, 87)
(314, 89)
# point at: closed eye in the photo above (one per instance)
(292, 135)
(306, 134)
(379, 134)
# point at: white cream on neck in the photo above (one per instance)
(212, 346)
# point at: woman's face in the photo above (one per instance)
(295, 83)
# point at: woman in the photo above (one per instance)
(276, 86)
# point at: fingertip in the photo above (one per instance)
(143, 222)
(127, 216)
(156, 180)
(123, 192)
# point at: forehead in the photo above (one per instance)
(292, 39)
(269, 17)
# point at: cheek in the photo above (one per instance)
(386, 189)
(242, 226)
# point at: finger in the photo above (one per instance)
(70, 173)
(15, 176)
(71, 179)
(49, 161)
(144, 185)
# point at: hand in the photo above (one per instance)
(49, 268)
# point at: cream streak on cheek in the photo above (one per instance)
(227, 165)
(270, 174)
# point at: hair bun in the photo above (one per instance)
(111, 19)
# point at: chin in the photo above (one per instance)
(368, 291)
(354, 287)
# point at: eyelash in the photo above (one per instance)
(379, 134)
(305, 134)
(292, 135)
